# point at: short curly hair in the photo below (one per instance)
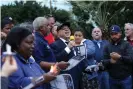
(38, 22)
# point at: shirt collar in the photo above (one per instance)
(29, 61)
(37, 34)
(129, 40)
(63, 40)
(82, 41)
(117, 43)
(98, 41)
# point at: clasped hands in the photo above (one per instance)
(114, 57)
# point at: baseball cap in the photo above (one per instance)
(115, 29)
(6, 20)
(9, 19)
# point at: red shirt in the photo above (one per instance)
(130, 41)
(49, 38)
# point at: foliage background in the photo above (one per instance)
(104, 13)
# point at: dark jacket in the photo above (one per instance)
(123, 67)
(61, 55)
(59, 50)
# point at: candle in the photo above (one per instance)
(8, 50)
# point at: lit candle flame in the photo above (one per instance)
(52, 69)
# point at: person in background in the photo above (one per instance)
(129, 36)
(50, 37)
(9, 67)
(62, 49)
(89, 81)
(42, 53)
(63, 52)
(118, 60)
(129, 32)
(54, 30)
(10, 19)
(27, 25)
(28, 70)
(100, 44)
(6, 24)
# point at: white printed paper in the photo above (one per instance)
(63, 81)
(80, 55)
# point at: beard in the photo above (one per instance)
(115, 40)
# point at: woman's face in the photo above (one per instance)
(78, 37)
(26, 47)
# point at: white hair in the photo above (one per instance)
(38, 22)
(130, 24)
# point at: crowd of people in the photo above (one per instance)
(43, 43)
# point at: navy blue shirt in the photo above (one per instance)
(42, 51)
(99, 51)
(27, 69)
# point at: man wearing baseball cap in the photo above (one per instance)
(119, 59)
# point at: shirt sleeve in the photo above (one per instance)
(90, 48)
(18, 80)
(67, 50)
(106, 59)
(128, 56)
(42, 52)
(60, 54)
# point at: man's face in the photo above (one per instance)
(45, 29)
(115, 36)
(64, 32)
(96, 34)
(128, 30)
(54, 31)
(51, 22)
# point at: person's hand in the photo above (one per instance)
(71, 44)
(49, 77)
(112, 61)
(115, 56)
(3, 35)
(9, 66)
(63, 65)
(55, 69)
